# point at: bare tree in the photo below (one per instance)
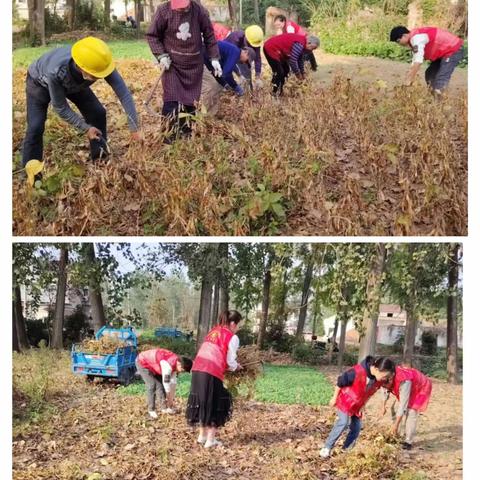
(267, 281)
(70, 8)
(452, 323)
(204, 313)
(94, 288)
(36, 21)
(305, 294)
(370, 316)
(106, 13)
(21, 330)
(57, 340)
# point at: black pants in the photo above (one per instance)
(38, 99)
(310, 57)
(178, 124)
(280, 71)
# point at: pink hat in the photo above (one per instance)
(176, 4)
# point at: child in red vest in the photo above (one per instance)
(442, 48)
(210, 403)
(412, 389)
(159, 368)
(354, 388)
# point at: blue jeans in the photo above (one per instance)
(38, 99)
(343, 421)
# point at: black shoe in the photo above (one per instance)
(406, 446)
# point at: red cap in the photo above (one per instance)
(176, 4)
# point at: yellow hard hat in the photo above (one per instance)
(32, 169)
(254, 35)
(93, 56)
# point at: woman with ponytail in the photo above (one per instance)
(412, 389)
(354, 388)
(210, 403)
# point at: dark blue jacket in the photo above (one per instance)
(229, 57)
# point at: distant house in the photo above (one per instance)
(74, 298)
(391, 326)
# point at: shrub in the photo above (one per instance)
(176, 345)
(246, 336)
(279, 340)
(304, 353)
(75, 324)
(429, 343)
(37, 330)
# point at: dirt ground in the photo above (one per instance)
(95, 430)
(369, 69)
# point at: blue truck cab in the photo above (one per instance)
(119, 365)
(169, 332)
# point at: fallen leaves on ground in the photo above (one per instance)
(347, 159)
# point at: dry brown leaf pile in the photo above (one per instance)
(356, 159)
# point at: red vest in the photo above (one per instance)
(212, 355)
(351, 399)
(421, 387)
(296, 28)
(220, 31)
(441, 43)
(280, 46)
(150, 359)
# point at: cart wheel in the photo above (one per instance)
(90, 378)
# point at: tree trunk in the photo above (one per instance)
(70, 13)
(233, 12)
(15, 345)
(415, 15)
(343, 334)
(216, 299)
(305, 294)
(410, 333)
(452, 332)
(95, 289)
(256, 10)
(370, 315)
(36, 20)
(106, 14)
(21, 329)
(205, 310)
(57, 341)
(267, 281)
(223, 278)
(333, 340)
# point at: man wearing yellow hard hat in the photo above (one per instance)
(252, 37)
(67, 73)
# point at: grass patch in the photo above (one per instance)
(288, 384)
(23, 57)
(280, 384)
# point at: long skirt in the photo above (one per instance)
(209, 403)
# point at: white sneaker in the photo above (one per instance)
(168, 411)
(213, 443)
(201, 439)
(325, 452)
(153, 414)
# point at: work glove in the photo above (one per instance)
(165, 61)
(33, 169)
(217, 68)
(239, 90)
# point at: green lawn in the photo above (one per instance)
(22, 57)
(287, 384)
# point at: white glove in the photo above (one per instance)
(258, 83)
(217, 68)
(165, 61)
